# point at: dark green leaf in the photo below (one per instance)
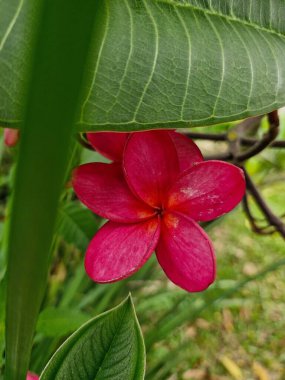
(107, 347)
(164, 62)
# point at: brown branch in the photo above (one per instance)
(266, 230)
(235, 139)
(227, 156)
(207, 136)
(272, 219)
(244, 141)
(266, 140)
(247, 141)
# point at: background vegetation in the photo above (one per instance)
(234, 330)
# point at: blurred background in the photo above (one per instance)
(234, 330)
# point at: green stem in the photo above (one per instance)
(62, 40)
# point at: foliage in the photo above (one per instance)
(110, 345)
(179, 62)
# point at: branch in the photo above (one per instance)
(235, 139)
(266, 140)
(272, 219)
(267, 230)
(207, 136)
(244, 141)
(247, 141)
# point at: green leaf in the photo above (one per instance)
(107, 347)
(57, 322)
(164, 62)
(77, 225)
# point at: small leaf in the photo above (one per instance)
(77, 225)
(54, 322)
(109, 346)
(259, 371)
(232, 368)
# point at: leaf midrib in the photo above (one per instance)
(227, 17)
(111, 344)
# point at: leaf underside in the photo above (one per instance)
(163, 63)
(108, 347)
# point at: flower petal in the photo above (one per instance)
(185, 253)
(103, 189)
(151, 165)
(32, 376)
(187, 151)
(110, 144)
(119, 250)
(208, 190)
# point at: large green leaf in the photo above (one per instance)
(108, 347)
(164, 62)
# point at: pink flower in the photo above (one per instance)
(154, 199)
(32, 376)
(11, 136)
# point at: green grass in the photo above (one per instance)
(250, 326)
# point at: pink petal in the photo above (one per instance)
(11, 136)
(187, 151)
(119, 250)
(185, 253)
(103, 189)
(32, 376)
(110, 144)
(208, 190)
(151, 165)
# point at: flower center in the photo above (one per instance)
(159, 211)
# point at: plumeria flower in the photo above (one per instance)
(32, 376)
(11, 136)
(154, 194)
(112, 144)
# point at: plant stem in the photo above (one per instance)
(58, 59)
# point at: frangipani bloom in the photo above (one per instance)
(154, 195)
(32, 376)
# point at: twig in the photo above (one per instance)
(247, 141)
(272, 219)
(244, 141)
(267, 139)
(267, 230)
(235, 139)
(207, 136)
